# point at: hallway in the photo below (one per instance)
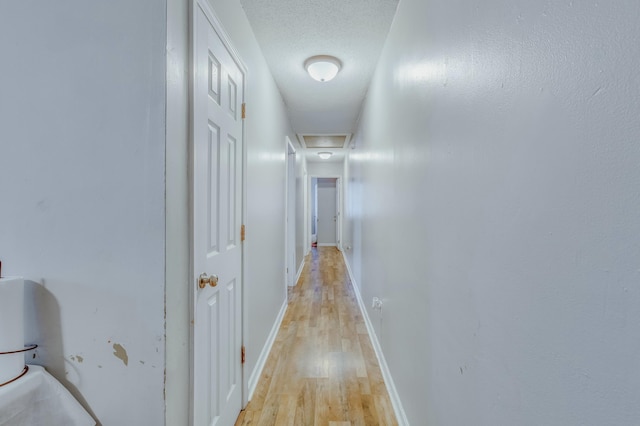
(490, 187)
(322, 369)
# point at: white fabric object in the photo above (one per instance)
(11, 327)
(38, 399)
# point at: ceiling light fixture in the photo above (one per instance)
(322, 67)
(325, 155)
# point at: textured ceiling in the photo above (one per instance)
(290, 31)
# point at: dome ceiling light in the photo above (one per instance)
(322, 67)
(325, 155)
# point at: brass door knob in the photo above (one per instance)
(203, 280)
(213, 280)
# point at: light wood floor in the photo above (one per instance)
(322, 370)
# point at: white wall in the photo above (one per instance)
(325, 168)
(497, 167)
(82, 152)
(351, 217)
(266, 126)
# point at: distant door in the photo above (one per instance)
(217, 254)
(327, 211)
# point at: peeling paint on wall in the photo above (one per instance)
(121, 353)
(77, 358)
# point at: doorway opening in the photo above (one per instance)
(324, 208)
(290, 214)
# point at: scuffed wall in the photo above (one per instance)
(82, 154)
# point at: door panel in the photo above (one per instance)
(217, 256)
(232, 212)
(213, 167)
(327, 211)
(212, 337)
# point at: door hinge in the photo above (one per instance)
(242, 354)
(242, 233)
(244, 110)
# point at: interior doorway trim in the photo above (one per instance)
(290, 213)
(339, 205)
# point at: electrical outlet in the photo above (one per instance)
(376, 303)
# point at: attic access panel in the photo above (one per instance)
(325, 141)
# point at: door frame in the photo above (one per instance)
(306, 242)
(194, 5)
(290, 220)
(339, 206)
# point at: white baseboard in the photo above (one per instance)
(401, 416)
(326, 245)
(264, 354)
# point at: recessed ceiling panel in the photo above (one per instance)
(333, 141)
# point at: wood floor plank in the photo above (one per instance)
(286, 411)
(385, 411)
(369, 410)
(306, 403)
(322, 370)
(241, 417)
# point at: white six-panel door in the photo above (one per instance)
(217, 255)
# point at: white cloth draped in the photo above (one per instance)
(38, 399)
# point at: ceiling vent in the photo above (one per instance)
(325, 141)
